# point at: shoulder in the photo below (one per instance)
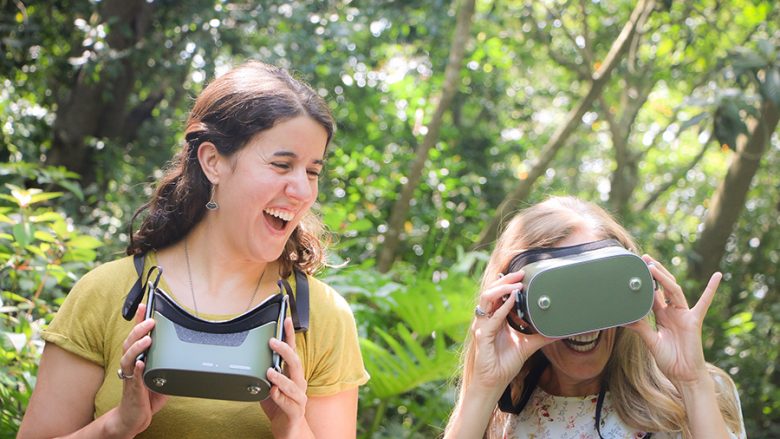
(108, 278)
(122, 268)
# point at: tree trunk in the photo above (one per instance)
(560, 136)
(98, 107)
(625, 178)
(729, 199)
(451, 78)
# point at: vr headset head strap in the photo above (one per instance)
(530, 256)
(299, 308)
(136, 293)
(299, 302)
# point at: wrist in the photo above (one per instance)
(701, 385)
(482, 396)
(299, 430)
(114, 427)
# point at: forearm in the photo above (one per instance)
(701, 407)
(107, 426)
(302, 431)
(471, 416)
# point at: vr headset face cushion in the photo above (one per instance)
(225, 360)
(582, 288)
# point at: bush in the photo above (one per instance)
(41, 255)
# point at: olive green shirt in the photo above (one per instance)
(90, 325)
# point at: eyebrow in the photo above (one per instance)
(295, 156)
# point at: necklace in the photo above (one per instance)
(192, 289)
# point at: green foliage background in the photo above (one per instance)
(697, 78)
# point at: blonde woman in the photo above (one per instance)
(638, 381)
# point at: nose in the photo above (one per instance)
(300, 187)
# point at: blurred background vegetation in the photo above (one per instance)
(452, 115)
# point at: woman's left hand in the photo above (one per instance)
(676, 341)
(286, 406)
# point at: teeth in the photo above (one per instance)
(281, 214)
(583, 342)
(585, 338)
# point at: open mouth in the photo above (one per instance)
(277, 218)
(583, 342)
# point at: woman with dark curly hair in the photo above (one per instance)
(230, 217)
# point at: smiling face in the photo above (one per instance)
(577, 363)
(266, 188)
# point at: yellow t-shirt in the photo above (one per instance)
(90, 325)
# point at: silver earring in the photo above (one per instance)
(212, 204)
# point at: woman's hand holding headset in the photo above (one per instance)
(500, 350)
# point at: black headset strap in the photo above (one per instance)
(299, 308)
(600, 406)
(136, 293)
(529, 385)
(299, 302)
(529, 256)
(531, 381)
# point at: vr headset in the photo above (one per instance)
(581, 288)
(227, 360)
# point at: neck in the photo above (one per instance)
(558, 384)
(213, 278)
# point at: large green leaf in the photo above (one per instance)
(400, 362)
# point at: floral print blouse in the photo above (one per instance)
(570, 417)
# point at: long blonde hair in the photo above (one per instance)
(642, 396)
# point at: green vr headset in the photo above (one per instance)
(227, 360)
(578, 289)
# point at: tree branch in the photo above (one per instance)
(451, 79)
(572, 120)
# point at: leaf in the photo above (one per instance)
(23, 233)
(693, 121)
(43, 196)
(728, 124)
(17, 340)
(44, 236)
(83, 242)
(46, 217)
(770, 88)
(75, 188)
(407, 364)
(743, 59)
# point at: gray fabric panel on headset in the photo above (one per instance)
(200, 337)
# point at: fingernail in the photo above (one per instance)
(500, 275)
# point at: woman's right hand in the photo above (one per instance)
(138, 404)
(500, 350)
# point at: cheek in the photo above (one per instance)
(609, 339)
(550, 349)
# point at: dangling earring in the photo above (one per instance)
(212, 204)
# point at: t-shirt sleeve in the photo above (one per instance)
(79, 326)
(334, 351)
(728, 386)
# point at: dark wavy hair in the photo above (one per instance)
(249, 99)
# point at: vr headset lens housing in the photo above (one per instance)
(579, 289)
